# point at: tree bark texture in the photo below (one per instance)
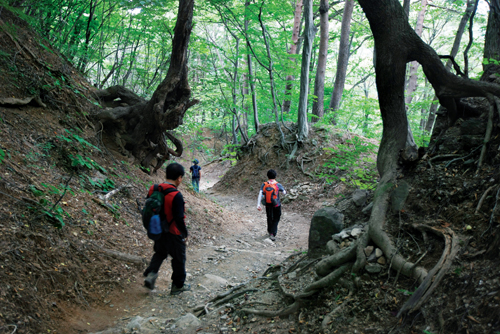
(303, 127)
(396, 43)
(250, 77)
(319, 81)
(412, 81)
(343, 59)
(454, 52)
(492, 42)
(293, 50)
(142, 127)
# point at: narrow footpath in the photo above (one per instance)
(242, 252)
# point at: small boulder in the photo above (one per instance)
(356, 231)
(332, 247)
(368, 250)
(378, 252)
(381, 260)
(359, 197)
(373, 268)
(324, 223)
(188, 320)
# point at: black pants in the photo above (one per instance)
(173, 245)
(273, 214)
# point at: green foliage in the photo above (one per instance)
(79, 150)
(231, 151)
(105, 185)
(488, 61)
(350, 163)
(2, 155)
(47, 206)
(79, 161)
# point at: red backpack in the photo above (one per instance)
(270, 192)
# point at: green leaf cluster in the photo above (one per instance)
(350, 163)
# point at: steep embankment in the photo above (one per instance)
(63, 246)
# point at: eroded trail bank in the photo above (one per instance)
(240, 253)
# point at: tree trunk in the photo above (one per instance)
(396, 43)
(319, 82)
(412, 81)
(303, 128)
(250, 76)
(454, 50)
(270, 70)
(293, 50)
(492, 43)
(343, 59)
(141, 128)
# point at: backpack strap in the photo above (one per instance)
(165, 192)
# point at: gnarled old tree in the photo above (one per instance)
(396, 44)
(140, 127)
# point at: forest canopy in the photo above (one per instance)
(129, 43)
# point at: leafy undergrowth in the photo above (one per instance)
(332, 160)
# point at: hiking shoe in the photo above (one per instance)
(272, 237)
(149, 282)
(175, 290)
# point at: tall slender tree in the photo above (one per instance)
(343, 58)
(319, 81)
(303, 127)
(412, 81)
(293, 51)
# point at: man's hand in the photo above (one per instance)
(259, 208)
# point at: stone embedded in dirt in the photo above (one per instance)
(399, 195)
(341, 235)
(188, 320)
(378, 252)
(368, 250)
(135, 323)
(212, 282)
(332, 247)
(359, 197)
(356, 231)
(373, 268)
(269, 241)
(381, 260)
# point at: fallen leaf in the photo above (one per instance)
(472, 318)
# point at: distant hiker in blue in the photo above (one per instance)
(269, 194)
(196, 175)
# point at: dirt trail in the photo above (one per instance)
(242, 252)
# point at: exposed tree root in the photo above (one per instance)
(482, 199)
(328, 280)
(437, 273)
(265, 313)
(227, 296)
(136, 260)
(328, 318)
(487, 136)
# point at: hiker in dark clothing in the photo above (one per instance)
(269, 191)
(173, 241)
(196, 175)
